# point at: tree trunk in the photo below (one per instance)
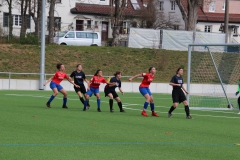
(116, 19)
(37, 18)
(51, 21)
(10, 19)
(24, 6)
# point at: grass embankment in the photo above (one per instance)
(26, 59)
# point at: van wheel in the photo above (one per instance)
(63, 44)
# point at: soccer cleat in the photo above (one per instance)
(65, 107)
(88, 107)
(84, 109)
(111, 110)
(189, 117)
(155, 114)
(122, 110)
(144, 113)
(99, 110)
(48, 105)
(169, 115)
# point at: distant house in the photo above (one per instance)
(211, 18)
(92, 15)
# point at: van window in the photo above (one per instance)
(81, 35)
(60, 34)
(92, 35)
(70, 35)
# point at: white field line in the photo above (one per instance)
(130, 104)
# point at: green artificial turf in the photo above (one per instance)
(30, 130)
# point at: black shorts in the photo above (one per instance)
(178, 96)
(82, 89)
(107, 91)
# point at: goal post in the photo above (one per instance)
(212, 75)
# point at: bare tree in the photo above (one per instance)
(190, 15)
(147, 15)
(10, 18)
(35, 13)
(51, 21)
(24, 6)
(116, 19)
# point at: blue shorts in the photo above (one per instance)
(92, 91)
(54, 85)
(145, 90)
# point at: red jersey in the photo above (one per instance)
(147, 79)
(95, 81)
(59, 76)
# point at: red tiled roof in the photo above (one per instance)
(102, 9)
(212, 17)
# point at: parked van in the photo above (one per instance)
(78, 38)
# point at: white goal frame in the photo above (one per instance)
(190, 49)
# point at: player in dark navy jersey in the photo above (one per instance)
(145, 91)
(111, 93)
(178, 95)
(79, 78)
(56, 79)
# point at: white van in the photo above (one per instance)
(78, 38)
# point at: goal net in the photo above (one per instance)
(213, 71)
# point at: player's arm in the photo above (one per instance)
(184, 89)
(138, 75)
(72, 82)
(120, 89)
(175, 84)
(50, 79)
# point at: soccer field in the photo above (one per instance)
(30, 130)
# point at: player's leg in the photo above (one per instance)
(175, 99)
(98, 99)
(55, 92)
(144, 92)
(239, 104)
(110, 102)
(152, 106)
(83, 91)
(187, 110)
(64, 92)
(87, 95)
(116, 97)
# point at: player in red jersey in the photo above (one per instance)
(93, 88)
(145, 91)
(56, 79)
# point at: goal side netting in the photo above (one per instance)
(213, 71)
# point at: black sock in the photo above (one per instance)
(120, 105)
(187, 110)
(239, 102)
(82, 100)
(111, 103)
(171, 109)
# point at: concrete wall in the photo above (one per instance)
(19, 84)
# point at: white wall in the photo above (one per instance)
(19, 84)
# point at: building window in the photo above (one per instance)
(223, 6)
(173, 4)
(208, 29)
(17, 20)
(102, 0)
(120, 3)
(176, 27)
(89, 24)
(212, 6)
(57, 23)
(57, 1)
(135, 4)
(161, 5)
(235, 31)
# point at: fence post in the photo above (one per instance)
(9, 80)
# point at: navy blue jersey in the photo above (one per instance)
(78, 77)
(177, 80)
(118, 83)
